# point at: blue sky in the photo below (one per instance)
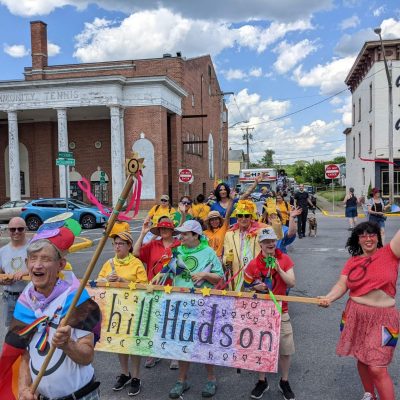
(278, 57)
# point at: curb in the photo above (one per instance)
(361, 215)
(84, 244)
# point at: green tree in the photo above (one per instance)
(339, 160)
(267, 161)
(315, 173)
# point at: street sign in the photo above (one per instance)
(66, 161)
(332, 171)
(65, 154)
(185, 175)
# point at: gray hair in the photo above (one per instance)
(40, 244)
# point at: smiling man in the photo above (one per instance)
(36, 325)
(12, 263)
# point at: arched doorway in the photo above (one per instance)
(75, 191)
(99, 185)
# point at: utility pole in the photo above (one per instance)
(246, 137)
(221, 130)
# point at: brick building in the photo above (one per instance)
(171, 110)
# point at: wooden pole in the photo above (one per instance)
(125, 192)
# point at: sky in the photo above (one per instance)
(285, 61)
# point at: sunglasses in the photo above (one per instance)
(366, 236)
(186, 203)
(243, 215)
(20, 229)
(164, 201)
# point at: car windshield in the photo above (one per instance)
(80, 203)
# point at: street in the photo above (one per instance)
(316, 372)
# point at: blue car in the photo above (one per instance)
(37, 211)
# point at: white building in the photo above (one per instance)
(368, 137)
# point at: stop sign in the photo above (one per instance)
(185, 175)
(332, 171)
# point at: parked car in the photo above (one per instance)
(37, 211)
(11, 209)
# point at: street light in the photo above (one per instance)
(390, 132)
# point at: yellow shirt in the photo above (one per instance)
(118, 227)
(216, 238)
(159, 211)
(130, 268)
(200, 211)
(284, 211)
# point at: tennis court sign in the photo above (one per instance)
(222, 330)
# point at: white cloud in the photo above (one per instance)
(328, 77)
(53, 49)
(16, 50)
(351, 22)
(390, 28)
(377, 12)
(235, 11)
(352, 44)
(291, 54)
(159, 31)
(345, 111)
(231, 74)
(256, 72)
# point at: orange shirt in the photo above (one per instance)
(216, 238)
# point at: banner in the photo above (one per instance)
(221, 330)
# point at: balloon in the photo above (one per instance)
(73, 226)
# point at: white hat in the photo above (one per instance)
(266, 233)
(190, 226)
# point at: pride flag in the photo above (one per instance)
(9, 361)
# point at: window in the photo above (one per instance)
(370, 138)
(359, 109)
(192, 99)
(187, 146)
(370, 97)
(354, 147)
(359, 144)
(354, 114)
(210, 156)
(193, 146)
(385, 183)
(363, 176)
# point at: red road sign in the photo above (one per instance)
(185, 175)
(332, 171)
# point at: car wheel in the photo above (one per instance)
(33, 223)
(88, 222)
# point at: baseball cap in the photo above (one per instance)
(266, 233)
(164, 197)
(190, 226)
(124, 236)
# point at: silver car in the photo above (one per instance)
(11, 209)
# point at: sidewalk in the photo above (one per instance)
(326, 207)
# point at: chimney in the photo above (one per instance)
(38, 44)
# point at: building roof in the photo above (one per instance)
(236, 155)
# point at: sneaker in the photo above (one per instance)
(122, 381)
(151, 362)
(177, 391)
(209, 389)
(368, 396)
(260, 389)
(174, 364)
(287, 393)
(134, 387)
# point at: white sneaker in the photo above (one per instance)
(368, 396)
(174, 364)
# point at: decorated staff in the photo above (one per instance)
(133, 166)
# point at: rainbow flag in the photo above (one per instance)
(342, 321)
(9, 361)
(390, 336)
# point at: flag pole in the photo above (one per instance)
(133, 166)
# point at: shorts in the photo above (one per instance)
(286, 342)
(377, 220)
(369, 334)
(8, 306)
(351, 212)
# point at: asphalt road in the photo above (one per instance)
(316, 372)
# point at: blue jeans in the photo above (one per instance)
(9, 301)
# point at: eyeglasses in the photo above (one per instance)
(186, 203)
(19, 229)
(366, 236)
(119, 244)
(243, 215)
(164, 200)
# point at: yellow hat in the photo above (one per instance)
(270, 206)
(245, 207)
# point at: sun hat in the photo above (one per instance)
(213, 214)
(126, 236)
(167, 224)
(245, 207)
(266, 233)
(164, 197)
(190, 226)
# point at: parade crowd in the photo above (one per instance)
(236, 244)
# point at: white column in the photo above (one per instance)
(62, 146)
(13, 156)
(122, 133)
(117, 157)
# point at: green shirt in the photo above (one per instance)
(178, 217)
(199, 259)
